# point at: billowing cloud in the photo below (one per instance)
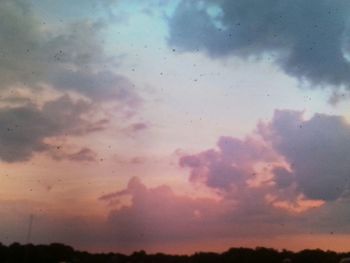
(307, 39)
(157, 215)
(228, 167)
(25, 128)
(318, 151)
(240, 172)
(175, 218)
(296, 158)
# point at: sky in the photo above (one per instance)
(175, 126)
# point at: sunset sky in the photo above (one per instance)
(175, 125)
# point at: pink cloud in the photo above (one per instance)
(228, 166)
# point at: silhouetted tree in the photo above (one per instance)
(55, 253)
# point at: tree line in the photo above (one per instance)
(59, 253)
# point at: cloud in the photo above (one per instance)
(280, 180)
(228, 167)
(136, 128)
(176, 217)
(21, 35)
(68, 58)
(283, 178)
(42, 61)
(307, 39)
(157, 215)
(300, 157)
(290, 163)
(79, 8)
(139, 126)
(25, 128)
(102, 86)
(239, 170)
(83, 155)
(317, 150)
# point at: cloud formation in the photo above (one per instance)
(307, 39)
(84, 154)
(176, 217)
(289, 177)
(317, 150)
(228, 167)
(24, 129)
(157, 216)
(295, 157)
(68, 58)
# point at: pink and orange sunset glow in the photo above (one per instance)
(175, 126)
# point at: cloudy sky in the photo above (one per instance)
(175, 126)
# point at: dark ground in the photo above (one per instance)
(62, 253)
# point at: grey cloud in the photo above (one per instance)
(337, 97)
(139, 126)
(102, 86)
(133, 129)
(20, 35)
(318, 151)
(78, 8)
(283, 178)
(32, 53)
(332, 217)
(23, 129)
(307, 39)
(69, 58)
(77, 43)
(83, 155)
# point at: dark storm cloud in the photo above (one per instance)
(24, 129)
(318, 151)
(307, 39)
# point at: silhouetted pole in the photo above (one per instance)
(31, 218)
